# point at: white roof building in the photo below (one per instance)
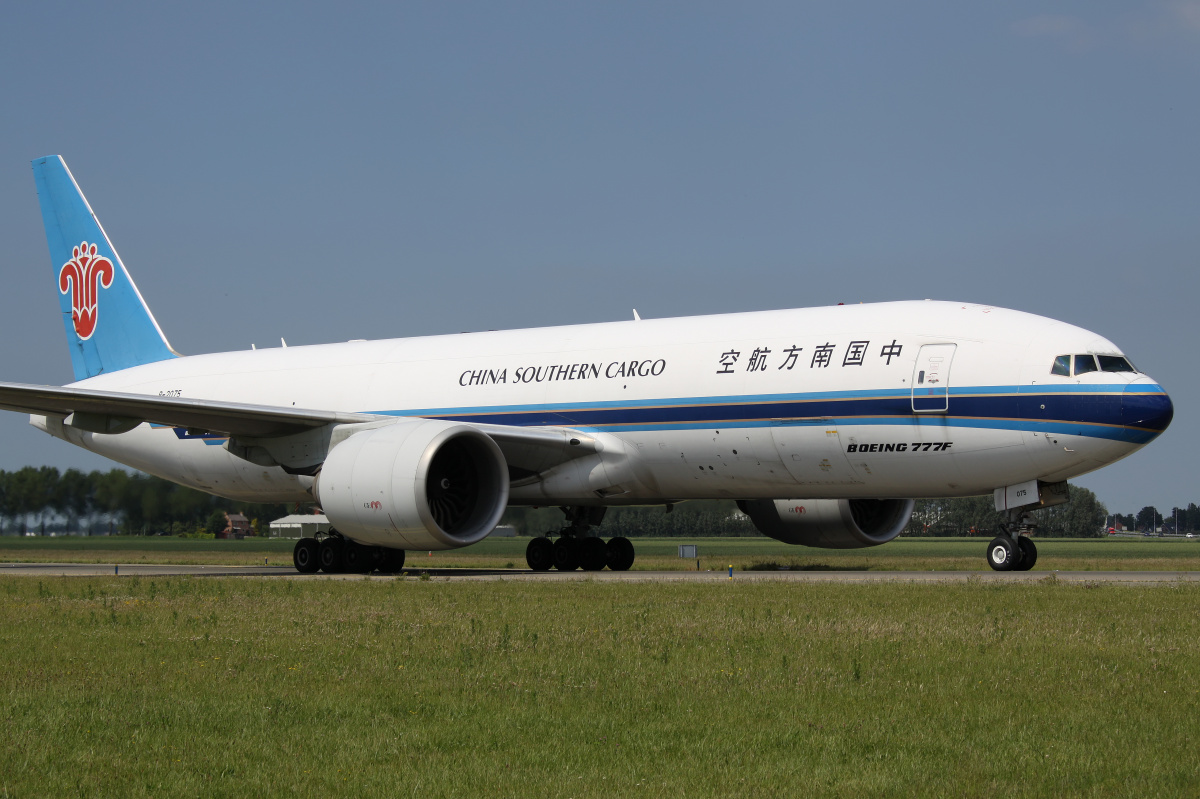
(299, 525)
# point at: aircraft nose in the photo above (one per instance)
(1146, 408)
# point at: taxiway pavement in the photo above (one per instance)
(832, 576)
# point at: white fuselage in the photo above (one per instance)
(845, 401)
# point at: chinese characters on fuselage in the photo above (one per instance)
(855, 354)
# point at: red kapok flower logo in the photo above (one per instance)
(83, 276)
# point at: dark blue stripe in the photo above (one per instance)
(1079, 412)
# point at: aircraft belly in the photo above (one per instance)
(1062, 456)
(196, 463)
(812, 452)
(934, 458)
(728, 462)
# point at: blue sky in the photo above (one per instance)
(379, 170)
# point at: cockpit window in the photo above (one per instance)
(1062, 366)
(1084, 364)
(1114, 363)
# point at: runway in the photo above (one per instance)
(832, 576)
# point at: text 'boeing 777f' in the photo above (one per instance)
(823, 423)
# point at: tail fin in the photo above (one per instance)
(109, 327)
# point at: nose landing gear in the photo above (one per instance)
(1013, 550)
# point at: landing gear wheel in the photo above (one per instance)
(357, 559)
(593, 554)
(1002, 554)
(566, 554)
(304, 556)
(391, 561)
(620, 553)
(1028, 554)
(540, 554)
(331, 554)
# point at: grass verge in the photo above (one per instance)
(270, 688)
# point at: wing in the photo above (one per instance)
(530, 450)
(93, 408)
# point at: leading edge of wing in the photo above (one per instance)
(215, 416)
(531, 450)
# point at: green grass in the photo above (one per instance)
(908, 554)
(421, 687)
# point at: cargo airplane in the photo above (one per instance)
(823, 424)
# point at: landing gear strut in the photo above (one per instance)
(1013, 550)
(577, 548)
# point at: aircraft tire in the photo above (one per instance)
(1002, 554)
(391, 561)
(540, 554)
(332, 555)
(566, 554)
(304, 556)
(357, 559)
(620, 553)
(1028, 553)
(593, 554)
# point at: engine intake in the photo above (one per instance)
(422, 484)
(830, 523)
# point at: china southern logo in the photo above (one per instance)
(83, 276)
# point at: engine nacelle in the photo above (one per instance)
(421, 484)
(830, 523)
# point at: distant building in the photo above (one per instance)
(299, 525)
(236, 526)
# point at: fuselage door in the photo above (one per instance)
(931, 379)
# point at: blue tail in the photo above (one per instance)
(109, 327)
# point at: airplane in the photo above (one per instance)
(824, 424)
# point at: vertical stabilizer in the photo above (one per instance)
(108, 325)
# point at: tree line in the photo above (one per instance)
(42, 499)
(1083, 517)
(1149, 519)
(45, 499)
(698, 518)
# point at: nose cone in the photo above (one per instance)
(1146, 409)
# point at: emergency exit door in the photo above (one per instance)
(931, 379)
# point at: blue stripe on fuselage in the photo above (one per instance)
(1093, 411)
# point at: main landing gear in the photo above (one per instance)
(576, 548)
(336, 554)
(1013, 550)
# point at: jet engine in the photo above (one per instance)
(830, 523)
(420, 484)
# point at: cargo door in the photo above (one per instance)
(931, 379)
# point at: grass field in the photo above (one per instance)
(922, 554)
(234, 687)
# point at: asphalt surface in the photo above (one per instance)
(169, 570)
